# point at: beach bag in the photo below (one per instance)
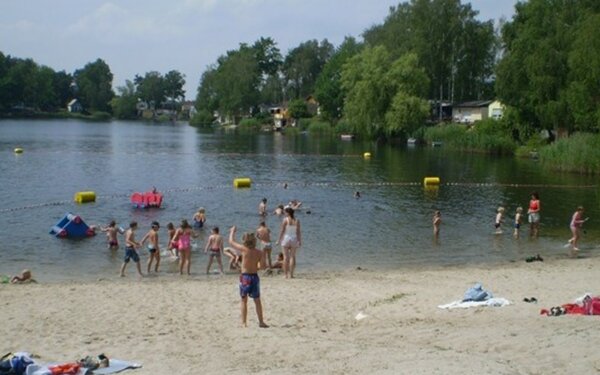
(14, 364)
(477, 293)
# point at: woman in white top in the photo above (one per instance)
(290, 240)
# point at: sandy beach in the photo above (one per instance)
(191, 325)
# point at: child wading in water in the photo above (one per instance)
(172, 246)
(153, 249)
(437, 221)
(499, 220)
(111, 235)
(575, 225)
(183, 238)
(130, 249)
(214, 248)
(518, 220)
(249, 280)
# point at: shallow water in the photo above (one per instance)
(389, 227)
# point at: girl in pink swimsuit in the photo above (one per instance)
(183, 237)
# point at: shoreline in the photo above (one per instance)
(190, 326)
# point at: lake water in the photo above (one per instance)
(389, 227)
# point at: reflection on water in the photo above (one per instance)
(389, 226)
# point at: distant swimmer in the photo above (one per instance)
(357, 194)
(279, 210)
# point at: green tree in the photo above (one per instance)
(584, 64)
(297, 109)
(151, 88)
(368, 95)
(302, 66)
(207, 95)
(174, 82)
(456, 50)
(94, 86)
(385, 97)
(548, 61)
(328, 88)
(124, 105)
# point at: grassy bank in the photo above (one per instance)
(579, 153)
(487, 136)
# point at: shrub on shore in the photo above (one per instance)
(249, 125)
(578, 153)
(485, 136)
(319, 127)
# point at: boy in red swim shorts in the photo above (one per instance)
(249, 280)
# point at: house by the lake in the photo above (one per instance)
(74, 106)
(470, 112)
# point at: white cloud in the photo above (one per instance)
(114, 24)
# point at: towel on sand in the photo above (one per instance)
(495, 302)
(115, 365)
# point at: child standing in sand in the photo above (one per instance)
(518, 220)
(437, 221)
(252, 258)
(153, 249)
(499, 220)
(264, 235)
(214, 248)
(130, 249)
(111, 235)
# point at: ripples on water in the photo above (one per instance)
(389, 227)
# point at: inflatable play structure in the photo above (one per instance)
(149, 199)
(71, 226)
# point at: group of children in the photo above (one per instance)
(248, 257)
(533, 217)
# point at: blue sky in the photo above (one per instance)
(135, 37)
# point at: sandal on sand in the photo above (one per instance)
(530, 300)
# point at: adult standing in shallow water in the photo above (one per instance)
(290, 239)
(534, 214)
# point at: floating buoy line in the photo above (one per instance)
(317, 184)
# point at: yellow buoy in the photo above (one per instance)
(428, 181)
(84, 197)
(367, 155)
(18, 150)
(242, 183)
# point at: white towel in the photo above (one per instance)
(495, 302)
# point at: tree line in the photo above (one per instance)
(544, 64)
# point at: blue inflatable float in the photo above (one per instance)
(71, 226)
